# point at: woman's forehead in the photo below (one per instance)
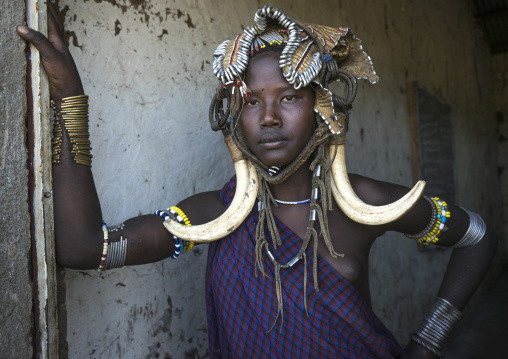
(264, 67)
(264, 73)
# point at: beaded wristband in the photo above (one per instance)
(188, 244)
(432, 223)
(172, 214)
(105, 247)
(440, 216)
(178, 241)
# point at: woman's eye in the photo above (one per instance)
(251, 102)
(288, 98)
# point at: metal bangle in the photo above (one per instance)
(117, 253)
(437, 326)
(425, 345)
(474, 233)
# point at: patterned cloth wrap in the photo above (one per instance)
(242, 307)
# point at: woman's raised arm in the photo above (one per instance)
(78, 233)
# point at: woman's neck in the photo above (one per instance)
(296, 187)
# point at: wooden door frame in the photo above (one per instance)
(47, 338)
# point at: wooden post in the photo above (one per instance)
(41, 196)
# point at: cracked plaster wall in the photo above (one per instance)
(146, 67)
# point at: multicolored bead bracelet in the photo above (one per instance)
(176, 214)
(104, 248)
(188, 244)
(438, 223)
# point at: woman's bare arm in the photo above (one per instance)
(78, 234)
(467, 266)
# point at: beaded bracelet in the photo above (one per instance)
(178, 241)
(440, 216)
(188, 244)
(105, 247)
(172, 214)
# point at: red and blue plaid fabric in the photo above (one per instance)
(242, 307)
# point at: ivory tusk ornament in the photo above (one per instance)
(358, 210)
(247, 185)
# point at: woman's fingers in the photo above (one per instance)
(64, 80)
(37, 39)
(53, 15)
(55, 36)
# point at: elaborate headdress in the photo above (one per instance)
(312, 55)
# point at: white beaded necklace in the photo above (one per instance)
(273, 170)
(292, 202)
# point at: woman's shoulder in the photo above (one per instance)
(206, 206)
(203, 207)
(376, 192)
(379, 193)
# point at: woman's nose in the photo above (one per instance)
(271, 116)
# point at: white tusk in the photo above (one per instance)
(245, 197)
(358, 210)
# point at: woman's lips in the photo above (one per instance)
(272, 140)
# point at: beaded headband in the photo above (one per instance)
(312, 54)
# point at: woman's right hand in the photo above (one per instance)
(64, 80)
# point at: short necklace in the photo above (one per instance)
(273, 170)
(291, 202)
(314, 194)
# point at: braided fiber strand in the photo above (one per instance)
(316, 213)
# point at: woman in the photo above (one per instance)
(279, 282)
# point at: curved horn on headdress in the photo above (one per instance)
(358, 210)
(245, 196)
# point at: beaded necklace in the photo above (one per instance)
(292, 202)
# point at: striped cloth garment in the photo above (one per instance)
(242, 306)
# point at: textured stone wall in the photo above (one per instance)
(15, 277)
(146, 66)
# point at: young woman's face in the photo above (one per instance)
(277, 121)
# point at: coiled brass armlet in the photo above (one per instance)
(74, 114)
